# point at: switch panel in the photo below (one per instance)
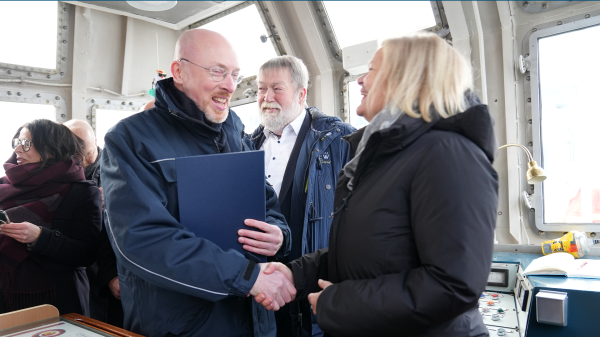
(499, 311)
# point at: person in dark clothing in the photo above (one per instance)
(172, 281)
(105, 294)
(412, 237)
(55, 221)
(304, 152)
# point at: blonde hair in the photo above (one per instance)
(422, 71)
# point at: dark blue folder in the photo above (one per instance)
(218, 192)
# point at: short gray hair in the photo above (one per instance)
(298, 71)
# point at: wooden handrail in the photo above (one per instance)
(110, 329)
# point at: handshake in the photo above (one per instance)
(274, 287)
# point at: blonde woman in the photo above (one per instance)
(412, 236)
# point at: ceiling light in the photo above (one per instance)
(152, 6)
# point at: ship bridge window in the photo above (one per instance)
(354, 100)
(248, 113)
(566, 118)
(13, 115)
(243, 28)
(37, 33)
(108, 113)
(356, 22)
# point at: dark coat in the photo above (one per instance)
(411, 246)
(171, 280)
(70, 246)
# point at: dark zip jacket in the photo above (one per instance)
(171, 280)
(321, 156)
(411, 246)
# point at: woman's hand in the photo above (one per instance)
(314, 297)
(24, 232)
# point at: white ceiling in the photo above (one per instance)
(183, 14)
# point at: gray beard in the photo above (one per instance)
(276, 124)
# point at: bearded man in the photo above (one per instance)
(304, 152)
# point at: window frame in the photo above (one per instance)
(555, 28)
(63, 28)
(36, 97)
(94, 104)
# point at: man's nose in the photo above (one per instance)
(270, 95)
(228, 84)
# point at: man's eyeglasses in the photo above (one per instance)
(218, 74)
(26, 143)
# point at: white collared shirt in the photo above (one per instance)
(278, 151)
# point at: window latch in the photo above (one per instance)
(524, 64)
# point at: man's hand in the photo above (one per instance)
(314, 297)
(267, 243)
(263, 299)
(275, 286)
(114, 287)
(24, 232)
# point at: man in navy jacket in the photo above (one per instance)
(173, 282)
(304, 152)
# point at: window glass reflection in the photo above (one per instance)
(570, 118)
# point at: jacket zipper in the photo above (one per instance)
(217, 146)
(315, 217)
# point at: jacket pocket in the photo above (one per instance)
(168, 170)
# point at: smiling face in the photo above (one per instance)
(278, 102)
(366, 81)
(31, 156)
(209, 50)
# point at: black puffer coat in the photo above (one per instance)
(411, 246)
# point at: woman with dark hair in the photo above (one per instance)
(55, 219)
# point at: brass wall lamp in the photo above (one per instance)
(535, 174)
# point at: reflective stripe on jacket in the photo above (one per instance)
(172, 281)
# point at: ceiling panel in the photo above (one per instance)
(184, 13)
